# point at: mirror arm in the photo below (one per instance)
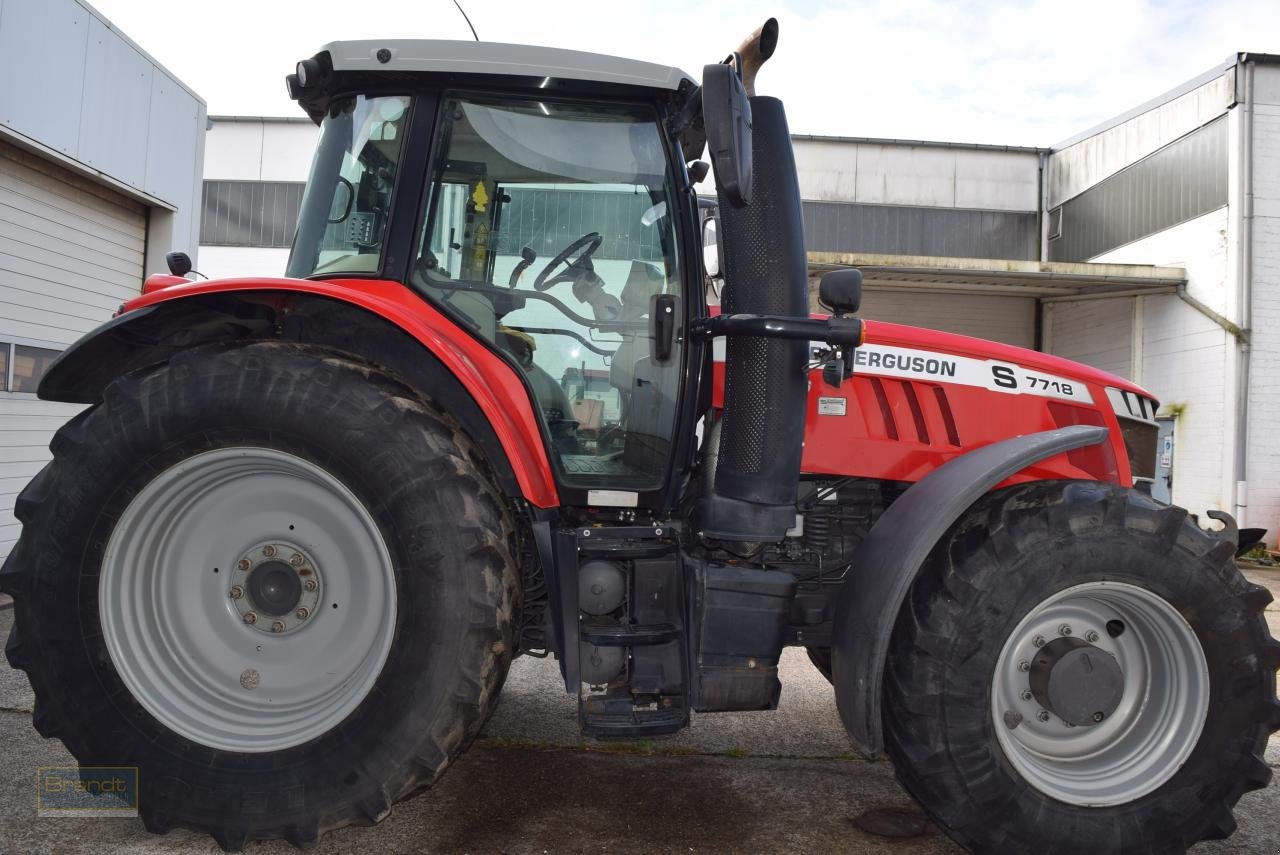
(837, 332)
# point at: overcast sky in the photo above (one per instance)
(1018, 73)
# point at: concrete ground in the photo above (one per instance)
(784, 781)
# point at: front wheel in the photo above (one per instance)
(275, 580)
(1080, 669)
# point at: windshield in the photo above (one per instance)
(551, 233)
(343, 219)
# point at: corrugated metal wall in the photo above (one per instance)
(910, 230)
(1185, 179)
(250, 213)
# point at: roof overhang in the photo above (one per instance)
(1046, 280)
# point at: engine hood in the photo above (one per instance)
(917, 338)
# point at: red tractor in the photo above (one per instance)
(283, 559)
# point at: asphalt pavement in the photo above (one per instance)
(781, 781)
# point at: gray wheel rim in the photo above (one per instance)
(180, 639)
(1157, 723)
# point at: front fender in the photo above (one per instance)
(156, 325)
(890, 558)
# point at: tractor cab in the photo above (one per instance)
(544, 206)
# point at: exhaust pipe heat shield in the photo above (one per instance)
(765, 273)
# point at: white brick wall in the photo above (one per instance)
(1185, 355)
(1263, 462)
(1095, 332)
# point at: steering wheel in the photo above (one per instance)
(591, 241)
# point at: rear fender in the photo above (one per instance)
(891, 557)
(381, 322)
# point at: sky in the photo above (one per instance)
(1010, 73)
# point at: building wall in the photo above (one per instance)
(100, 160)
(1095, 332)
(259, 149)
(1177, 353)
(105, 109)
(1077, 165)
(251, 161)
(1135, 200)
(907, 198)
(1263, 457)
(230, 262)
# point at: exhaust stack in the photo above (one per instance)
(765, 268)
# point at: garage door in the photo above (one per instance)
(70, 253)
(1011, 320)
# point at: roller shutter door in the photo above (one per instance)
(1011, 320)
(70, 253)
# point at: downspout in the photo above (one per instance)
(1042, 248)
(1244, 288)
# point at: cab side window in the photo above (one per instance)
(550, 232)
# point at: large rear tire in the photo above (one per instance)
(1038, 573)
(273, 578)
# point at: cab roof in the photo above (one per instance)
(497, 58)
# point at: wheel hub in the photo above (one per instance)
(1076, 681)
(276, 588)
(1109, 648)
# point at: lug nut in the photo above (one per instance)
(1026, 694)
(244, 564)
(277, 626)
(250, 617)
(236, 592)
(301, 613)
(1064, 630)
(269, 551)
(1091, 636)
(1043, 715)
(1038, 641)
(296, 560)
(310, 585)
(1024, 665)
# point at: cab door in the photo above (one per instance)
(551, 229)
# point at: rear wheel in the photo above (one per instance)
(277, 581)
(1080, 669)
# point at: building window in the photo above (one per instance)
(250, 213)
(1055, 223)
(22, 366)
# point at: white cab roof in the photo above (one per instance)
(458, 57)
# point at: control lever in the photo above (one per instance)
(527, 257)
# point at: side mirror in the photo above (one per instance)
(841, 291)
(179, 263)
(726, 117)
(711, 247)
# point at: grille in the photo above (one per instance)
(1140, 441)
